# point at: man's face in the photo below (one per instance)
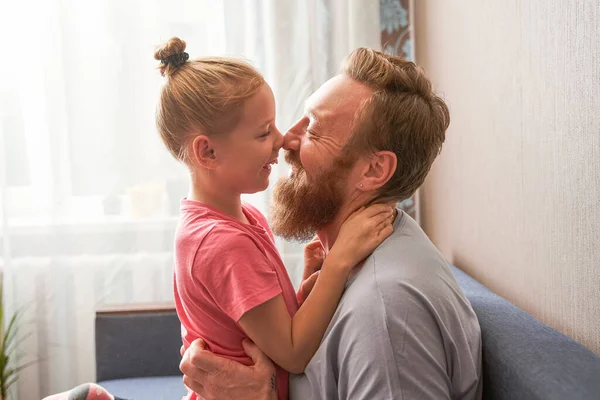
(312, 196)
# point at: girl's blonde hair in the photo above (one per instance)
(201, 96)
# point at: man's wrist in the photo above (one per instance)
(270, 389)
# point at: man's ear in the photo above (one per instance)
(378, 170)
(202, 152)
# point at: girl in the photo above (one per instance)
(217, 115)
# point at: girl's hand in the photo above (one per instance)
(314, 254)
(361, 233)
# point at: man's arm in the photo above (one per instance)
(218, 378)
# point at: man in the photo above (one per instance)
(403, 328)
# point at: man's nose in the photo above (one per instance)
(292, 139)
(291, 142)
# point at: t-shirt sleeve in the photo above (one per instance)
(235, 272)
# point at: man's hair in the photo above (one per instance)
(403, 115)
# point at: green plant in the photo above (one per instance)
(8, 347)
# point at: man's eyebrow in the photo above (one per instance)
(309, 111)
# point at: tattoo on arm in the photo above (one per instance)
(273, 383)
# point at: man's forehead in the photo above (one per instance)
(340, 96)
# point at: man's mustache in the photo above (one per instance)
(293, 159)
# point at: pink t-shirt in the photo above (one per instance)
(224, 268)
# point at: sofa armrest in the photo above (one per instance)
(137, 341)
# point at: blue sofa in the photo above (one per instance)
(137, 353)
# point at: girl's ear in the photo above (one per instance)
(202, 152)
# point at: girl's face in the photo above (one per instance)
(244, 157)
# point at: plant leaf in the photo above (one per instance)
(13, 346)
(9, 383)
(10, 332)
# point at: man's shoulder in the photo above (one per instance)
(405, 277)
(405, 261)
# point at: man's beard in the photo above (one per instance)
(300, 208)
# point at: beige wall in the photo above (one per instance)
(514, 199)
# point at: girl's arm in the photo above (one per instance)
(291, 342)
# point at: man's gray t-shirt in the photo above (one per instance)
(403, 330)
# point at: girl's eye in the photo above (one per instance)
(267, 133)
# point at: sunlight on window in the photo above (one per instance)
(85, 97)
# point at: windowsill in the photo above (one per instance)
(97, 224)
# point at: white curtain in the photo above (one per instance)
(88, 196)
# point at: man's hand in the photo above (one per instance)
(213, 377)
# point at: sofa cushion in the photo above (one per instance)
(524, 358)
(137, 344)
(155, 388)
